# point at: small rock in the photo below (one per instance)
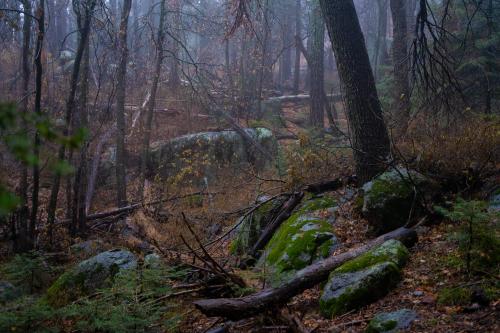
(89, 275)
(152, 260)
(391, 322)
(8, 292)
(87, 248)
(418, 293)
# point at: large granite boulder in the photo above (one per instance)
(89, 275)
(202, 155)
(391, 322)
(301, 240)
(364, 279)
(251, 226)
(389, 198)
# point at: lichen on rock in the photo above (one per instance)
(252, 225)
(391, 322)
(389, 198)
(89, 275)
(300, 241)
(364, 279)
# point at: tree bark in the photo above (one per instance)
(316, 64)
(121, 186)
(400, 60)
(370, 140)
(88, 8)
(247, 306)
(38, 112)
(152, 99)
(298, 27)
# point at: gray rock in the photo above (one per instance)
(364, 279)
(391, 322)
(346, 291)
(152, 260)
(206, 153)
(494, 205)
(8, 292)
(87, 248)
(388, 199)
(89, 275)
(249, 230)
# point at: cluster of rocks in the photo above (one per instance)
(308, 236)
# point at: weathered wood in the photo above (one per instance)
(243, 307)
(271, 228)
(302, 98)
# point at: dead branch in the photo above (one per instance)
(236, 308)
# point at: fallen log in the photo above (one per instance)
(269, 231)
(243, 307)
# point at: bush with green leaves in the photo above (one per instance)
(477, 235)
(27, 271)
(15, 135)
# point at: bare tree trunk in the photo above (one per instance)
(88, 8)
(151, 104)
(81, 121)
(121, 186)
(21, 229)
(38, 112)
(175, 79)
(400, 60)
(316, 117)
(298, 27)
(369, 136)
(380, 53)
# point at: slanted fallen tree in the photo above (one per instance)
(243, 307)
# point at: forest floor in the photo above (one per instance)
(429, 272)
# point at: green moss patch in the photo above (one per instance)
(364, 279)
(301, 240)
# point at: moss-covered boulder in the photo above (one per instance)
(251, 226)
(300, 241)
(197, 156)
(391, 322)
(363, 280)
(89, 275)
(388, 199)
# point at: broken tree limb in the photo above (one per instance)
(243, 307)
(320, 187)
(269, 231)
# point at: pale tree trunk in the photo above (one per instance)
(298, 27)
(121, 185)
(400, 60)
(84, 32)
(316, 117)
(380, 53)
(152, 99)
(370, 140)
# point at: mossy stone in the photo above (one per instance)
(364, 279)
(300, 241)
(249, 230)
(389, 198)
(347, 291)
(391, 322)
(89, 275)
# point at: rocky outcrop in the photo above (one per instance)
(301, 240)
(389, 198)
(391, 322)
(89, 275)
(363, 280)
(203, 154)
